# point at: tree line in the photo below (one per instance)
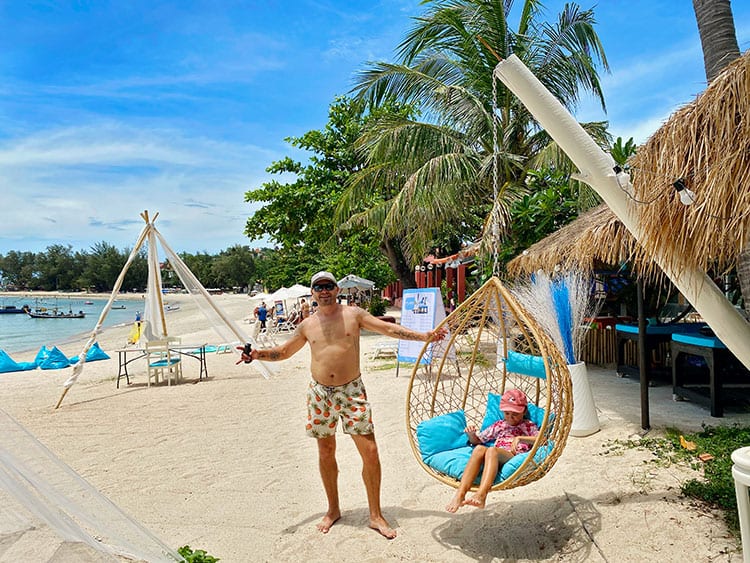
(60, 268)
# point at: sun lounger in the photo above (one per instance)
(386, 349)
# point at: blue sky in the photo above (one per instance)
(111, 107)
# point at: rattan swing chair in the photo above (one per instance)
(493, 345)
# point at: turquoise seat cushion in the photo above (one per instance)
(164, 363)
(451, 462)
(444, 446)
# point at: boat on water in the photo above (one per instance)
(13, 310)
(117, 307)
(55, 314)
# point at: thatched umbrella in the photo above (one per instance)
(596, 237)
(706, 144)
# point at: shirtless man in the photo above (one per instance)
(337, 391)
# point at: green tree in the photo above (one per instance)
(57, 268)
(234, 267)
(103, 266)
(441, 166)
(298, 214)
(19, 269)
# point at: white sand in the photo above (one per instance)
(224, 465)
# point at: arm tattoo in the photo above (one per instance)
(407, 334)
(268, 355)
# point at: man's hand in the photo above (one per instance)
(247, 353)
(437, 335)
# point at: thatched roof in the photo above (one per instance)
(595, 238)
(706, 143)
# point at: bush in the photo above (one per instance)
(378, 306)
(197, 556)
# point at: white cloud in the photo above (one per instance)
(82, 185)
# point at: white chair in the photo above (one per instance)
(162, 361)
(385, 349)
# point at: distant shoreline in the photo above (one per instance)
(71, 295)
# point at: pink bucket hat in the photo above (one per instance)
(513, 400)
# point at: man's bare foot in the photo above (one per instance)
(328, 520)
(456, 502)
(476, 501)
(380, 525)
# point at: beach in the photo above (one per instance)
(224, 465)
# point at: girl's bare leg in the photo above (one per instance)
(492, 460)
(467, 479)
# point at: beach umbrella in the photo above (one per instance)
(356, 282)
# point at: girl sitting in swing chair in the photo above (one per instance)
(497, 444)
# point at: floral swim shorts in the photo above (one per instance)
(325, 405)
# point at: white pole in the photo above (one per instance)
(596, 169)
(78, 368)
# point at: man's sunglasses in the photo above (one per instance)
(328, 286)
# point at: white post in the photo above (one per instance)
(585, 420)
(596, 169)
(741, 474)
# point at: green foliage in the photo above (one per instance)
(436, 170)
(377, 306)
(621, 153)
(550, 204)
(718, 485)
(299, 214)
(197, 556)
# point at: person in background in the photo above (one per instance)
(304, 308)
(261, 313)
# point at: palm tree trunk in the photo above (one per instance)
(719, 43)
(718, 35)
(392, 252)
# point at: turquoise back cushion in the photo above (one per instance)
(525, 364)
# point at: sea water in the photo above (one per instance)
(20, 333)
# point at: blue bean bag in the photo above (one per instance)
(55, 360)
(8, 364)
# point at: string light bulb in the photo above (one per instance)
(687, 196)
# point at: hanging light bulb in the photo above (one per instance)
(687, 196)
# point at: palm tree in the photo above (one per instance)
(434, 176)
(718, 36)
(719, 43)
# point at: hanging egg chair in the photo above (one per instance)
(493, 345)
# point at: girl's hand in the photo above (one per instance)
(514, 445)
